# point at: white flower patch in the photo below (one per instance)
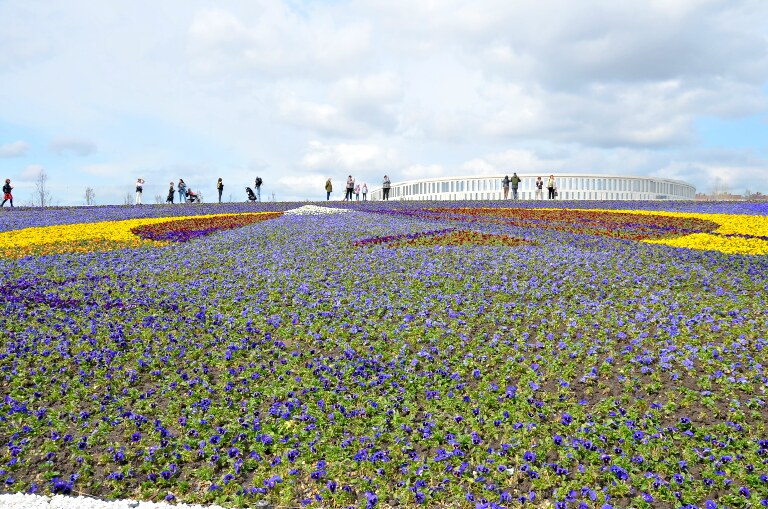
(314, 210)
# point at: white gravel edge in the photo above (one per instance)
(26, 500)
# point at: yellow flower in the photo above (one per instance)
(86, 237)
(730, 224)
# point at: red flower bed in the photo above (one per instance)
(449, 237)
(609, 224)
(187, 229)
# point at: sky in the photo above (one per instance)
(96, 94)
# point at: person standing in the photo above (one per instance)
(182, 191)
(386, 187)
(357, 192)
(257, 184)
(171, 192)
(551, 187)
(505, 185)
(220, 188)
(350, 188)
(328, 189)
(365, 191)
(139, 189)
(7, 196)
(539, 188)
(514, 182)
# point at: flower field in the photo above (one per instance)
(400, 354)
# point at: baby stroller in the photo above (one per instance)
(251, 194)
(192, 197)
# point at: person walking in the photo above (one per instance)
(350, 188)
(257, 184)
(139, 189)
(551, 187)
(220, 188)
(539, 188)
(357, 192)
(7, 196)
(182, 191)
(386, 187)
(171, 192)
(505, 185)
(365, 191)
(514, 182)
(328, 189)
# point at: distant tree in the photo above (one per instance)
(127, 199)
(90, 196)
(42, 194)
(159, 199)
(747, 193)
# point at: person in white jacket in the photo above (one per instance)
(139, 189)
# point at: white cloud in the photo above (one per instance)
(30, 173)
(108, 169)
(380, 88)
(322, 118)
(272, 38)
(346, 156)
(302, 185)
(513, 160)
(72, 146)
(14, 149)
(416, 171)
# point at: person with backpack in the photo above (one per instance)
(365, 191)
(328, 189)
(220, 188)
(257, 184)
(7, 196)
(182, 191)
(350, 188)
(386, 186)
(514, 182)
(139, 189)
(171, 193)
(505, 185)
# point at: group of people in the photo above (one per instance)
(186, 194)
(350, 189)
(514, 183)
(353, 188)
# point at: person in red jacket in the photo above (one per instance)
(7, 196)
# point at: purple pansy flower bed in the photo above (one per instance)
(279, 361)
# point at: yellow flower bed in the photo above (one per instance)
(85, 237)
(738, 224)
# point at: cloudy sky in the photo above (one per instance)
(97, 93)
